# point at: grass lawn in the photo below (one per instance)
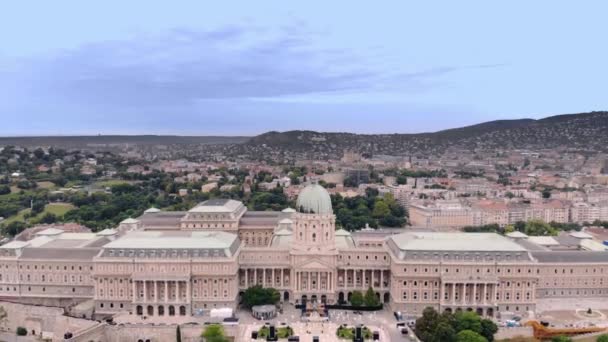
(58, 209)
(110, 183)
(45, 185)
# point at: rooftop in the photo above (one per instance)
(217, 205)
(427, 241)
(174, 240)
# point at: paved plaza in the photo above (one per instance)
(381, 321)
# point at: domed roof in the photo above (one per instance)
(314, 199)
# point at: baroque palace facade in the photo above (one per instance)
(186, 263)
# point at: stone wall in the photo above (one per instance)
(39, 319)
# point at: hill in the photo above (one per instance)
(585, 131)
(110, 140)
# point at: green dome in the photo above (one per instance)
(314, 199)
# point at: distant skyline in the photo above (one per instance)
(244, 68)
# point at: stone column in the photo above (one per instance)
(177, 291)
(453, 293)
(464, 293)
(318, 281)
(485, 293)
(155, 291)
(246, 278)
(264, 277)
(188, 291)
(166, 291)
(135, 295)
(282, 281)
(474, 294)
(255, 276)
(381, 279)
(145, 292)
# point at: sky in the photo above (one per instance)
(248, 67)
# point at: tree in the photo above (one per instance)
(488, 329)
(469, 336)
(561, 339)
(178, 334)
(602, 338)
(539, 228)
(370, 298)
(467, 320)
(48, 218)
(5, 189)
(14, 228)
(426, 326)
(380, 209)
(258, 295)
(21, 331)
(356, 298)
(444, 333)
(214, 333)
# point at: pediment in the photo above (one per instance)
(313, 264)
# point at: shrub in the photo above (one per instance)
(21, 331)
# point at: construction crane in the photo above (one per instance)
(542, 332)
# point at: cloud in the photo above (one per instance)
(184, 66)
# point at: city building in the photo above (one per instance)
(187, 263)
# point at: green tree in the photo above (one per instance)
(426, 326)
(5, 189)
(467, 320)
(602, 338)
(381, 209)
(14, 228)
(214, 333)
(21, 331)
(539, 228)
(444, 332)
(469, 336)
(356, 298)
(561, 339)
(488, 329)
(258, 295)
(370, 298)
(48, 218)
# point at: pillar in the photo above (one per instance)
(246, 278)
(145, 292)
(485, 293)
(474, 294)
(282, 274)
(264, 277)
(318, 280)
(453, 293)
(464, 293)
(155, 291)
(166, 291)
(188, 291)
(134, 285)
(255, 276)
(177, 291)
(381, 279)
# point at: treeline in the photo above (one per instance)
(531, 228)
(353, 213)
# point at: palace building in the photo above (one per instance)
(186, 263)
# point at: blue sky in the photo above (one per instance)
(246, 67)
